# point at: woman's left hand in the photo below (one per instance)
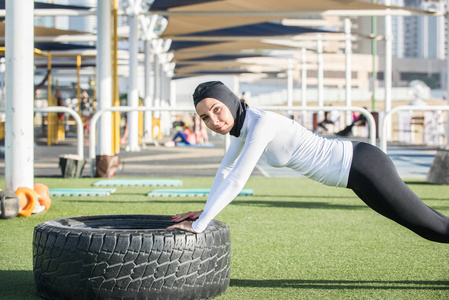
(190, 215)
(186, 226)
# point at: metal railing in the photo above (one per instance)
(76, 117)
(383, 128)
(98, 114)
(363, 111)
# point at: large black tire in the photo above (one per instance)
(129, 257)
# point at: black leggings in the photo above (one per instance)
(374, 178)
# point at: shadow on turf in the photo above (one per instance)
(17, 285)
(257, 200)
(263, 203)
(20, 284)
(344, 284)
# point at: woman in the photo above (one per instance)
(284, 143)
(185, 134)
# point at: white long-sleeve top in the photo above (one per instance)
(282, 142)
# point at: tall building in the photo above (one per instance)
(419, 44)
(424, 36)
(80, 23)
(83, 23)
(413, 37)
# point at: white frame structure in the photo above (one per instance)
(19, 153)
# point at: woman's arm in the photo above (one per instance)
(226, 166)
(260, 134)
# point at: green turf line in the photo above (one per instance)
(190, 192)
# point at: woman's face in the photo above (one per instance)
(215, 115)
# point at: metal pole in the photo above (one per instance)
(161, 75)
(290, 85)
(50, 117)
(348, 70)
(388, 66)
(172, 92)
(304, 83)
(104, 78)
(133, 92)
(163, 82)
(78, 83)
(156, 80)
(19, 138)
(149, 87)
(320, 77)
(115, 91)
(374, 53)
(447, 71)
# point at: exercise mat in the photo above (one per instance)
(81, 192)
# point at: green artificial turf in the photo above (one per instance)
(293, 239)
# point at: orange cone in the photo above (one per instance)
(27, 199)
(43, 195)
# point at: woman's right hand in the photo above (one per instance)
(192, 215)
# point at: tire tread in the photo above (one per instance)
(78, 263)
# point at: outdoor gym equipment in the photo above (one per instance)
(129, 257)
(9, 205)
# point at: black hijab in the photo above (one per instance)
(219, 91)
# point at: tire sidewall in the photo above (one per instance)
(75, 262)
